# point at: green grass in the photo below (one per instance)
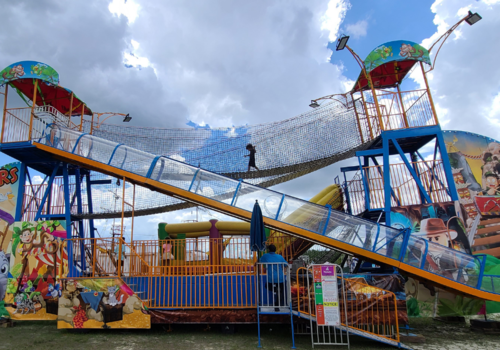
(41, 335)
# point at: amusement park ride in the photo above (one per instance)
(205, 272)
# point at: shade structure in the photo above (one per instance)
(257, 231)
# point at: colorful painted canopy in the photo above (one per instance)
(21, 75)
(389, 63)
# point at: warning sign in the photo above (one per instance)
(326, 295)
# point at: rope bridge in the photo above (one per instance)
(285, 150)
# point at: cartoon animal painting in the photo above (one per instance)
(54, 291)
(13, 73)
(24, 303)
(4, 274)
(409, 51)
(112, 296)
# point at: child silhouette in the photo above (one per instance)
(251, 162)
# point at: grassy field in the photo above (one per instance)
(44, 335)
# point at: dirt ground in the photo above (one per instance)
(45, 335)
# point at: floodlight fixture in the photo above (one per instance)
(342, 42)
(473, 18)
(314, 104)
(127, 118)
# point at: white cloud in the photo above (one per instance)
(464, 83)
(125, 8)
(358, 29)
(334, 16)
(36, 180)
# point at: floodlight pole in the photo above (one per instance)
(361, 64)
(444, 37)
(100, 122)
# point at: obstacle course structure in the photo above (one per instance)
(112, 283)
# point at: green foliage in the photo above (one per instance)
(459, 307)
(412, 307)
(16, 270)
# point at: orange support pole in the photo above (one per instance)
(120, 243)
(4, 111)
(30, 131)
(81, 117)
(367, 114)
(357, 119)
(92, 124)
(429, 93)
(375, 99)
(402, 107)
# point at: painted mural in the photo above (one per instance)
(37, 260)
(29, 70)
(442, 223)
(9, 187)
(475, 162)
(396, 51)
(101, 304)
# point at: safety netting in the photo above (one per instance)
(286, 150)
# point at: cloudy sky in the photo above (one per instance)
(246, 62)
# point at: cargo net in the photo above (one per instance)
(285, 150)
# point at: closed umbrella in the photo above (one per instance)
(257, 232)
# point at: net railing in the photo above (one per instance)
(339, 227)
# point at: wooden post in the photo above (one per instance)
(30, 131)
(81, 118)
(70, 109)
(429, 93)
(4, 112)
(402, 106)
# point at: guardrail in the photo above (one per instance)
(368, 309)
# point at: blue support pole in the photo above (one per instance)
(365, 185)
(376, 238)
(382, 174)
(235, 192)
(20, 192)
(89, 201)
(327, 218)
(114, 151)
(152, 167)
(447, 167)
(346, 192)
(422, 264)
(412, 172)
(79, 206)
(194, 178)
(434, 176)
(67, 215)
(387, 181)
(47, 193)
(415, 168)
(279, 208)
(78, 140)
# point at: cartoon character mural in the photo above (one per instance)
(38, 260)
(441, 224)
(100, 303)
(29, 70)
(475, 162)
(396, 51)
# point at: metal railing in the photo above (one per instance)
(367, 308)
(337, 226)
